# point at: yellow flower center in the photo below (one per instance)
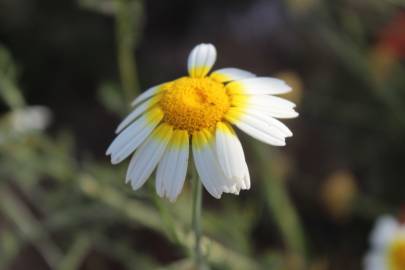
(397, 254)
(194, 103)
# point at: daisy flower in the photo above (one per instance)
(197, 111)
(387, 245)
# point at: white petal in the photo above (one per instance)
(201, 60)
(385, 229)
(172, 169)
(131, 146)
(273, 106)
(230, 152)
(246, 178)
(208, 168)
(207, 174)
(147, 94)
(136, 133)
(258, 86)
(280, 126)
(148, 155)
(275, 110)
(256, 127)
(270, 101)
(284, 131)
(137, 112)
(231, 74)
(279, 113)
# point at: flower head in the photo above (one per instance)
(198, 110)
(388, 246)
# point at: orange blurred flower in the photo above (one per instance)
(392, 36)
(390, 47)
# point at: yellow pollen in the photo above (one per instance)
(194, 103)
(397, 254)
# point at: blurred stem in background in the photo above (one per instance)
(31, 229)
(8, 89)
(283, 210)
(196, 219)
(12, 96)
(128, 22)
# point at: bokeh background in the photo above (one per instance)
(69, 69)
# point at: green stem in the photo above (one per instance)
(196, 220)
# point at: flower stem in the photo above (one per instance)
(196, 220)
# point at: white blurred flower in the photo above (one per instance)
(201, 107)
(30, 118)
(387, 246)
